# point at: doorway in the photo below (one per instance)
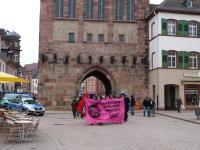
(171, 94)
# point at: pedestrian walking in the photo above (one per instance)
(152, 107)
(146, 106)
(132, 105)
(74, 107)
(178, 104)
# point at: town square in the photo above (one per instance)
(100, 74)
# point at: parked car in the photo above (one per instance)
(24, 97)
(34, 107)
(16, 104)
(7, 98)
(31, 107)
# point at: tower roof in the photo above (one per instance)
(13, 34)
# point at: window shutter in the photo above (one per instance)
(199, 29)
(164, 58)
(180, 59)
(164, 26)
(185, 23)
(186, 59)
(198, 60)
(181, 27)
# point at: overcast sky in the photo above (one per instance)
(22, 16)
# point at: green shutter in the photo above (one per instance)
(164, 59)
(180, 28)
(186, 59)
(199, 29)
(180, 59)
(164, 26)
(185, 24)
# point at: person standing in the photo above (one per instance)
(126, 103)
(74, 107)
(145, 106)
(178, 104)
(132, 105)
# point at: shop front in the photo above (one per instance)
(192, 95)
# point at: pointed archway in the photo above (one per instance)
(102, 75)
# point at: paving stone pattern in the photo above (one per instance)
(62, 132)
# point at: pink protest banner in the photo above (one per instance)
(105, 111)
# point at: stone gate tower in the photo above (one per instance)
(83, 38)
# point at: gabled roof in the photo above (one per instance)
(176, 6)
(31, 67)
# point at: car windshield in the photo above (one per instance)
(10, 96)
(26, 96)
(30, 102)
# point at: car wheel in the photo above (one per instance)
(24, 110)
(42, 114)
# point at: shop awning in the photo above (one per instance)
(8, 78)
(191, 81)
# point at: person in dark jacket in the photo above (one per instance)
(152, 106)
(132, 105)
(178, 104)
(126, 103)
(74, 107)
(146, 106)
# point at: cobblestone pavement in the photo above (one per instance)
(61, 132)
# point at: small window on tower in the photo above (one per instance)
(71, 38)
(101, 59)
(55, 58)
(78, 59)
(121, 38)
(90, 59)
(112, 59)
(66, 61)
(101, 38)
(89, 37)
(123, 60)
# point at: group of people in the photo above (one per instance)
(149, 107)
(129, 104)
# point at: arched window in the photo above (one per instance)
(193, 60)
(171, 27)
(192, 29)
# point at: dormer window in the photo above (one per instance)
(189, 3)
